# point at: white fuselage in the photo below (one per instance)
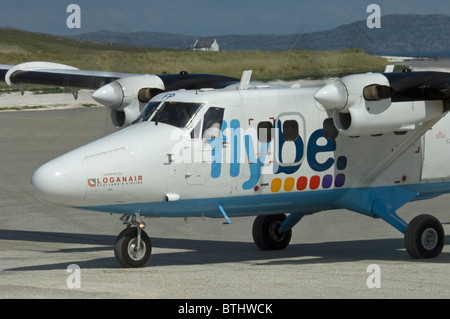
(269, 156)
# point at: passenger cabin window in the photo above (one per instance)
(178, 114)
(265, 132)
(290, 130)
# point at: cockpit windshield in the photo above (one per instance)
(147, 112)
(178, 114)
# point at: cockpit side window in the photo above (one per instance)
(210, 125)
(212, 122)
(178, 114)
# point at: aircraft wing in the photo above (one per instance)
(55, 74)
(66, 78)
(419, 86)
(3, 69)
(60, 75)
(125, 94)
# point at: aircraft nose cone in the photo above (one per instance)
(110, 95)
(332, 96)
(50, 182)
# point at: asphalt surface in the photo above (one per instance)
(328, 257)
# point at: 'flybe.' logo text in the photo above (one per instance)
(237, 146)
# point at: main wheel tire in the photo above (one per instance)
(424, 237)
(267, 233)
(125, 248)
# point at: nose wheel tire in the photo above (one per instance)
(267, 232)
(424, 237)
(128, 252)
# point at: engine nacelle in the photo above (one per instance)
(126, 97)
(362, 104)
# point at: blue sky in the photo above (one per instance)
(203, 17)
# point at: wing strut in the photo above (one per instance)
(228, 221)
(422, 129)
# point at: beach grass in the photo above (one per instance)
(20, 46)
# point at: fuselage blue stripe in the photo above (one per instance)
(289, 202)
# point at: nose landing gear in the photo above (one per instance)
(132, 248)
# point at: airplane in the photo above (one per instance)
(368, 143)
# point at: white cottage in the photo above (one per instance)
(206, 46)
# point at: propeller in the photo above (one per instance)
(109, 95)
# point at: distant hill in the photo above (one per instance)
(399, 33)
(141, 39)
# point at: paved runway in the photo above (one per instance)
(328, 257)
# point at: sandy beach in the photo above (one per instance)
(30, 101)
(328, 257)
(439, 64)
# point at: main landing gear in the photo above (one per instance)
(424, 235)
(268, 233)
(132, 248)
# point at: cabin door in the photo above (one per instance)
(204, 150)
(436, 143)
